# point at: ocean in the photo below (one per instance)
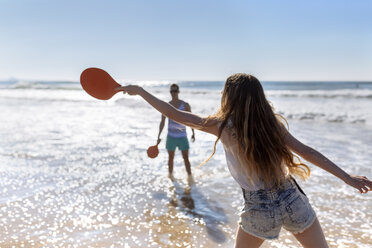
(74, 170)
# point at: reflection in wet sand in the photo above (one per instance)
(184, 199)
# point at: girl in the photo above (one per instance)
(259, 156)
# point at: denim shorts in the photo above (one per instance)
(265, 212)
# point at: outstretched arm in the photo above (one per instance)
(188, 109)
(361, 183)
(161, 126)
(183, 117)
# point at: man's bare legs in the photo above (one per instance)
(170, 161)
(185, 155)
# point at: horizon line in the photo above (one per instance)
(180, 80)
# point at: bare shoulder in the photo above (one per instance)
(211, 125)
(288, 138)
(294, 144)
(211, 121)
(187, 106)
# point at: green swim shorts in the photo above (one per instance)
(172, 143)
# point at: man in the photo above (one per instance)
(177, 136)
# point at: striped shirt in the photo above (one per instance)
(175, 129)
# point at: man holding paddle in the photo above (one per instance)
(177, 136)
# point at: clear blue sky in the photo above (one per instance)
(187, 40)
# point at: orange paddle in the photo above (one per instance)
(98, 83)
(153, 151)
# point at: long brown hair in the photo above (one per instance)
(258, 130)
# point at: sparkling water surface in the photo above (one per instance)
(75, 172)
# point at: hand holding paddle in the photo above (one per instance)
(130, 89)
(99, 84)
(153, 151)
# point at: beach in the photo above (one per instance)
(74, 170)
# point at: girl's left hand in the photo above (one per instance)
(361, 183)
(130, 89)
